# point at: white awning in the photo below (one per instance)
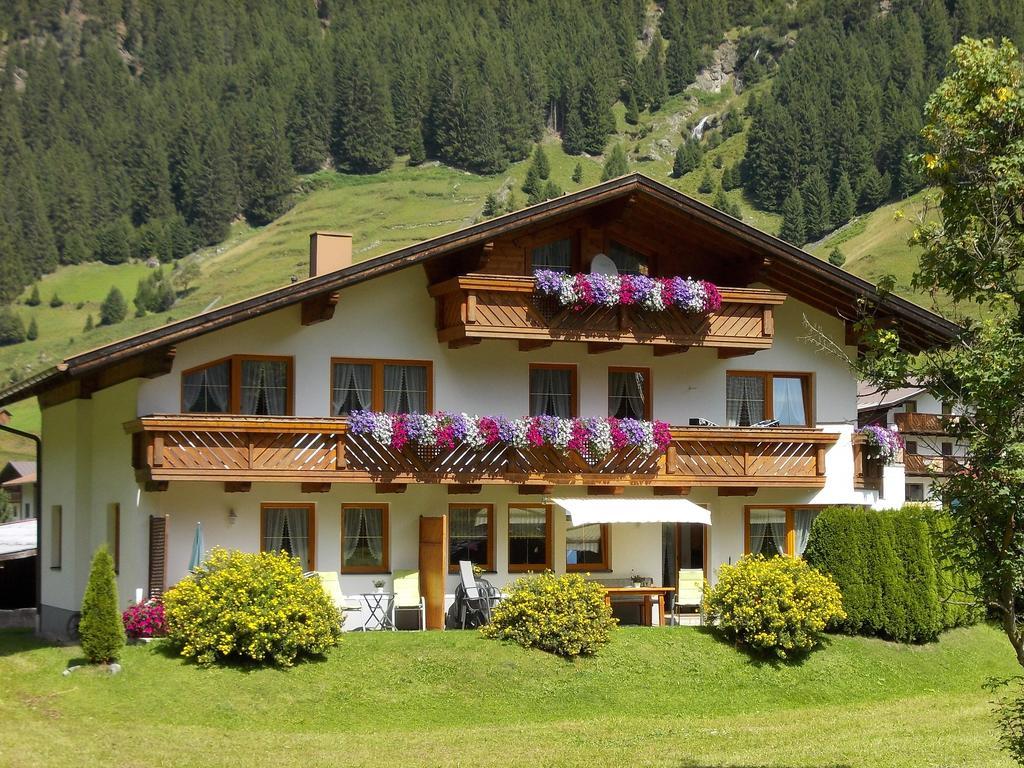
(588, 511)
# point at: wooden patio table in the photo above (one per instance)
(647, 594)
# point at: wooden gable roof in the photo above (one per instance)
(717, 243)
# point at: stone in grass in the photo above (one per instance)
(109, 669)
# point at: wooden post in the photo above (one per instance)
(433, 567)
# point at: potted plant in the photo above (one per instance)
(637, 579)
(379, 584)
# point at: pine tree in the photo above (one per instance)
(12, 329)
(681, 60)
(88, 324)
(269, 190)
(490, 205)
(707, 184)
(725, 205)
(113, 309)
(616, 164)
(33, 330)
(595, 116)
(817, 206)
(688, 158)
(213, 196)
(632, 110)
(308, 123)
(671, 18)
(843, 204)
(114, 242)
(101, 628)
(532, 183)
(573, 139)
(793, 227)
(552, 190)
(364, 121)
(540, 160)
(56, 301)
(836, 257)
(874, 190)
(577, 173)
(33, 298)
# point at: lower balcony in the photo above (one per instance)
(921, 465)
(246, 449)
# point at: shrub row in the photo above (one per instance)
(885, 567)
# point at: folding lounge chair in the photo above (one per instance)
(689, 593)
(332, 586)
(475, 601)
(408, 597)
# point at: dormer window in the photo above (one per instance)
(249, 385)
(556, 256)
(628, 261)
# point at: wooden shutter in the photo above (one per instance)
(157, 555)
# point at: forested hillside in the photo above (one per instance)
(140, 129)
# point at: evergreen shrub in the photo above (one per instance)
(885, 568)
(101, 630)
(251, 607)
(565, 615)
(776, 606)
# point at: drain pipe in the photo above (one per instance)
(39, 509)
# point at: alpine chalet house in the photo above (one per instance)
(710, 426)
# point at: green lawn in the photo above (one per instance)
(654, 697)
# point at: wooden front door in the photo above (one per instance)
(433, 567)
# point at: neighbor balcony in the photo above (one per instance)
(924, 465)
(246, 449)
(922, 423)
(474, 307)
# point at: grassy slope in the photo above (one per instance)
(387, 211)
(672, 697)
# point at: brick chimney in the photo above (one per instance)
(329, 252)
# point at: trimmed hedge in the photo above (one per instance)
(957, 588)
(885, 568)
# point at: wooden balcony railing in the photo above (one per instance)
(257, 449)
(917, 464)
(473, 307)
(867, 470)
(921, 423)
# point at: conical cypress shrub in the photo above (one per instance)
(101, 628)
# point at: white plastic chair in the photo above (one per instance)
(689, 592)
(332, 586)
(408, 597)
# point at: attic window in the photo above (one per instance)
(627, 260)
(556, 256)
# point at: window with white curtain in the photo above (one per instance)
(628, 394)
(767, 532)
(364, 538)
(405, 388)
(351, 388)
(288, 528)
(753, 396)
(264, 389)
(552, 391)
(528, 528)
(207, 390)
(586, 547)
(628, 261)
(556, 256)
(470, 535)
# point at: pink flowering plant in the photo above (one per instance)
(886, 444)
(581, 291)
(145, 620)
(593, 437)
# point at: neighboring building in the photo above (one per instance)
(236, 418)
(18, 481)
(931, 452)
(18, 555)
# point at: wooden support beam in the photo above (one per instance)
(237, 487)
(661, 350)
(736, 491)
(155, 486)
(315, 487)
(604, 490)
(463, 342)
(727, 353)
(671, 490)
(319, 308)
(528, 345)
(464, 488)
(535, 490)
(146, 365)
(389, 487)
(597, 347)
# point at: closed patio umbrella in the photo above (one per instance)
(197, 549)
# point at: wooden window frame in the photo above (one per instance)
(790, 510)
(606, 563)
(910, 406)
(311, 536)
(531, 567)
(547, 239)
(627, 240)
(385, 529)
(574, 395)
(769, 399)
(235, 381)
(114, 509)
(377, 379)
(489, 566)
(648, 387)
(56, 537)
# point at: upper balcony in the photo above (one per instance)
(922, 465)
(317, 452)
(921, 423)
(474, 307)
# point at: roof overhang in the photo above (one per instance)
(593, 511)
(808, 279)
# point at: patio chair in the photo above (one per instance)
(702, 422)
(476, 603)
(332, 586)
(767, 423)
(689, 594)
(408, 597)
